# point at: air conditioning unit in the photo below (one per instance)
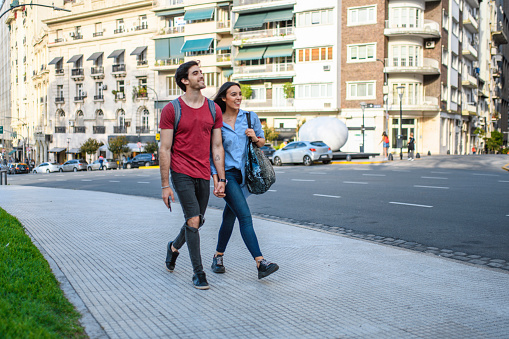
(430, 44)
(71, 123)
(105, 87)
(326, 68)
(267, 84)
(84, 94)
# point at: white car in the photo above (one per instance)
(47, 167)
(304, 152)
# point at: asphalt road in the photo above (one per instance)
(455, 202)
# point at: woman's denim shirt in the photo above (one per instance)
(235, 142)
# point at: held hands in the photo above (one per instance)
(167, 195)
(219, 187)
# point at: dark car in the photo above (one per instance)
(268, 150)
(18, 168)
(143, 159)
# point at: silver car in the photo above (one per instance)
(107, 164)
(305, 152)
(47, 167)
(74, 165)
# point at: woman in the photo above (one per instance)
(385, 140)
(235, 133)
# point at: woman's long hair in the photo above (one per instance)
(221, 94)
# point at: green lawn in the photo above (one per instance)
(32, 305)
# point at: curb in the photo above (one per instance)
(506, 167)
(359, 162)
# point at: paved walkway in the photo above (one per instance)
(110, 250)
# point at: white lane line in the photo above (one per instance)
(61, 179)
(404, 203)
(317, 173)
(486, 175)
(43, 179)
(102, 175)
(278, 172)
(302, 180)
(441, 172)
(355, 182)
(272, 190)
(120, 175)
(143, 182)
(114, 181)
(375, 175)
(79, 175)
(503, 181)
(86, 180)
(439, 178)
(327, 196)
(142, 175)
(400, 171)
(59, 175)
(444, 188)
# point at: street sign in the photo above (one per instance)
(1, 129)
(158, 136)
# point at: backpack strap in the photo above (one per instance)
(177, 109)
(212, 109)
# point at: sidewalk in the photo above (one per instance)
(111, 249)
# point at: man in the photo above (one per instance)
(186, 153)
(101, 161)
(411, 147)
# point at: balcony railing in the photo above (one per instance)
(470, 107)
(77, 37)
(281, 102)
(59, 100)
(251, 2)
(427, 28)
(118, 68)
(470, 22)
(166, 3)
(77, 72)
(223, 24)
(265, 33)
(142, 129)
(469, 51)
(59, 71)
(120, 129)
(223, 57)
(468, 80)
(119, 96)
(140, 27)
(57, 40)
(99, 97)
(412, 101)
(79, 129)
(269, 68)
(170, 62)
(99, 129)
(97, 70)
(97, 34)
(79, 98)
(172, 30)
(59, 129)
(425, 65)
(498, 33)
(118, 30)
(142, 62)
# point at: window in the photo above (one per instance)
(99, 89)
(80, 118)
(120, 26)
(120, 86)
(362, 15)
(77, 32)
(210, 79)
(145, 119)
(411, 94)
(121, 117)
(143, 22)
(258, 93)
(79, 90)
(445, 56)
(360, 90)
(455, 27)
(454, 59)
(322, 17)
(360, 53)
(208, 51)
(313, 91)
(60, 91)
(314, 54)
(454, 94)
(142, 82)
(98, 29)
(173, 89)
(405, 17)
(406, 56)
(445, 20)
(444, 92)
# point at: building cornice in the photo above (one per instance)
(94, 13)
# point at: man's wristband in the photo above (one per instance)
(222, 180)
(163, 187)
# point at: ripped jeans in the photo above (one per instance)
(193, 195)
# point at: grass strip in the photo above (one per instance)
(32, 305)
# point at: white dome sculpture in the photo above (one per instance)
(330, 130)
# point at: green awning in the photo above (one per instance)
(116, 53)
(162, 47)
(160, 104)
(227, 72)
(56, 60)
(253, 53)
(275, 16)
(199, 14)
(224, 44)
(176, 47)
(278, 51)
(139, 50)
(196, 45)
(12, 152)
(95, 56)
(250, 20)
(172, 12)
(75, 58)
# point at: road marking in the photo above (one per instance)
(439, 178)
(272, 190)
(404, 203)
(375, 175)
(503, 181)
(142, 175)
(400, 171)
(143, 182)
(86, 180)
(327, 196)
(355, 182)
(486, 175)
(59, 175)
(120, 175)
(441, 172)
(61, 179)
(303, 180)
(114, 181)
(317, 173)
(445, 188)
(277, 172)
(43, 179)
(79, 175)
(102, 175)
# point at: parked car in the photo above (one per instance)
(107, 164)
(47, 167)
(18, 168)
(268, 150)
(143, 159)
(305, 152)
(74, 165)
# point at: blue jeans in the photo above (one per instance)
(237, 208)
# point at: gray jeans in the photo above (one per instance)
(410, 154)
(193, 195)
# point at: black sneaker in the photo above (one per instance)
(266, 268)
(171, 258)
(200, 281)
(217, 264)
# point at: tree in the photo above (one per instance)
(246, 90)
(118, 146)
(270, 133)
(495, 142)
(299, 125)
(90, 147)
(289, 90)
(151, 147)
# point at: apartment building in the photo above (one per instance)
(5, 85)
(100, 82)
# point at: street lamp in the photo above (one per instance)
(363, 107)
(68, 140)
(386, 97)
(14, 4)
(401, 91)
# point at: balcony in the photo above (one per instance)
(79, 129)
(427, 66)
(57, 40)
(141, 27)
(172, 30)
(495, 71)
(80, 98)
(468, 80)
(118, 31)
(257, 2)
(97, 72)
(470, 108)
(498, 34)
(279, 35)
(268, 71)
(95, 34)
(77, 37)
(168, 64)
(223, 24)
(44, 69)
(118, 70)
(470, 23)
(142, 129)
(469, 52)
(268, 104)
(77, 74)
(59, 129)
(224, 57)
(142, 94)
(120, 129)
(119, 96)
(429, 29)
(59, 100)
(142, 63)
(99, 97)
(59, 71)
(99, 129)
(167, 3)
(421, 103)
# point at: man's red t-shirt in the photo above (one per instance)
(191, 144)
